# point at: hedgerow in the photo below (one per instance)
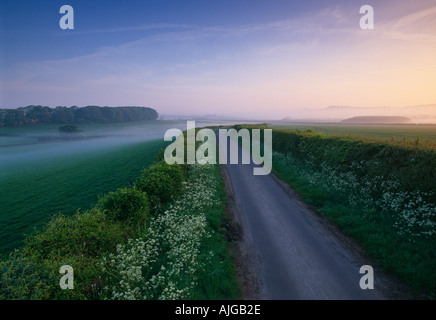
(159, 239)
(84, 239)
(126, 204)
(382, 194)
(174, 254)
(161, 182)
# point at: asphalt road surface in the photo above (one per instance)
(294, 254)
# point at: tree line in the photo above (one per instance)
(33, 115)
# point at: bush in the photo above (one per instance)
(79, 241)
(161, 182)
(85, 234)
(22, 278)
(126, 205)
(69, 128)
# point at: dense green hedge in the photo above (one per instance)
(129, 205)
(161, 182)
(414, 168)
(83, 240)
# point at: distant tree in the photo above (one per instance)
(89, 114)
(38, 114)
(69, 128)
(63, 115)
(32, 114)
(10, 118)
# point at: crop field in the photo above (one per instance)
(63, 184)
(42, 175)
(426, 134)
(43, 172)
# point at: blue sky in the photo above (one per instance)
(253, 58)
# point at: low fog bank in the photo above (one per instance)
(43, 146)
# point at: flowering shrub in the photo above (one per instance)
(414, 216)
(370, 196)
(163, 263)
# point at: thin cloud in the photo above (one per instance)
(417, 26)
(159, 26)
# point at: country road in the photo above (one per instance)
(292, 252)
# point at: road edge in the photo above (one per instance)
(246, 274)
(388, 285)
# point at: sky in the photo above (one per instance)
(255, 59)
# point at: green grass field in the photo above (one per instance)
(396, 133)
(33, 191)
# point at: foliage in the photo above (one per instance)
(177, 251)
(32, 115)
(413, 168)
(126, 204)
(80, 241)
(119, 252)
(175, 256)
(23, 278)
(381, 194)
(162, 182)
(69, 128)
(415, 136)
(87, 234)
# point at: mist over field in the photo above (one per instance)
(23, 147)
(44, 172)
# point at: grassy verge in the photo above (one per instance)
(217, 280)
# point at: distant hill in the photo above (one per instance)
(33, 115)
(377, 120)
(417, 113)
